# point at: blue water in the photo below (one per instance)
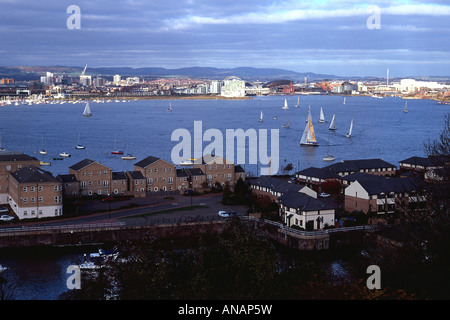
(381, 129)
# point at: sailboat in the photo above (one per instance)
(261, 117)
(87, 110)
(333, 123)
(285, 105)
(43, 151)
(322, 116)
(344, 101)
(349, 133)
(286, 125)
(309, 113)
(116, 151)
(308, 137)
(170, 107)
(405, 109)
(298, 102)
(128, 156)
(79, 146)
(328, 157)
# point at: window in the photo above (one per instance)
(170, 180)
(90, 173)
(40, 188)
(56, 199)
(24, 189)
(25, 200)
(41, 199)
(150, 170)
(105, 172)
(164, 170)
(32, 200)
(156, 170)
(56, 188)
(32, 189)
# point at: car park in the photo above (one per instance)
(6, 217)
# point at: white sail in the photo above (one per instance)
(405, 109)
(87, 110)
(285, 105)
(344, 101)
(261, 117)
(349, 134)
(286, 125)
(333, 123)
(309, 113)
(322, 116)
(308, 137)
(298, 102)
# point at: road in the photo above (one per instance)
(138, 206)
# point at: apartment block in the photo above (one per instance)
(160, 175)
(35, 193)
(94, 177)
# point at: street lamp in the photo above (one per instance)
(109, 208)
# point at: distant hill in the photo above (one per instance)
(246, 73)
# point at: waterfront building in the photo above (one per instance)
(119, 183)
(159, 174)
(217, 170)
(233, 87)
(370, 193)
(215, 87)
(35, 193)
(266, 186)
(136, 184)
(372, 166)
(94, 177)
(196, 178)
(71, 186)
(301, 210)
(11, 161)
(117, 79)
(314, 177)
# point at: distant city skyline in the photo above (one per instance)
(344, 38)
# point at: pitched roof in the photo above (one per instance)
(15, 156)
(32, 174)
(421, 161)
(182, 173)
(67, 177)
(275, 184)
(212, 158)
(238, 168)
(82, 164)
(304, 202)
(146, 162)
(119, 175)
(386, 185)
(322, 173)
(195, 171)
(136, 174)
(356, 165)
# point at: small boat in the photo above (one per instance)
(405, 109)
(170, 107)
(344, 101)
(275, 118)
(328, 157)
(333, 123)
(128, 156)
(285, 107)
(261, 117)
(116, 151)
(298, 103)
(308, 137)
(87, 110)
(321, 117)
(43, 151)
(58, 158)
(64, 154)
(44, 163)
(286, 125)
(79, 146)
(349, 133)
(187, 163)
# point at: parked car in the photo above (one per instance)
(223, 214)
(5, 217)
(324, 195)
(190, 193)
(233, 213)
(4, 210)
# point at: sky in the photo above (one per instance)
(345, 38)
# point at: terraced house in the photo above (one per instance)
(93, 177)
(159, 174)
(35, 193)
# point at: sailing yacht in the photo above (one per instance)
(333, 123)
(309, 113)
(322, 116)
(170, 107)
(329, 157)
(116, 151)
(285, 105)
(308, 137)
(405, 109)
(349, 133)
(298, 102)
(344, 101)
(79, 146)
(43, 151)
(286, 125)
(128, 156)
(261, 117)
(87, 110)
